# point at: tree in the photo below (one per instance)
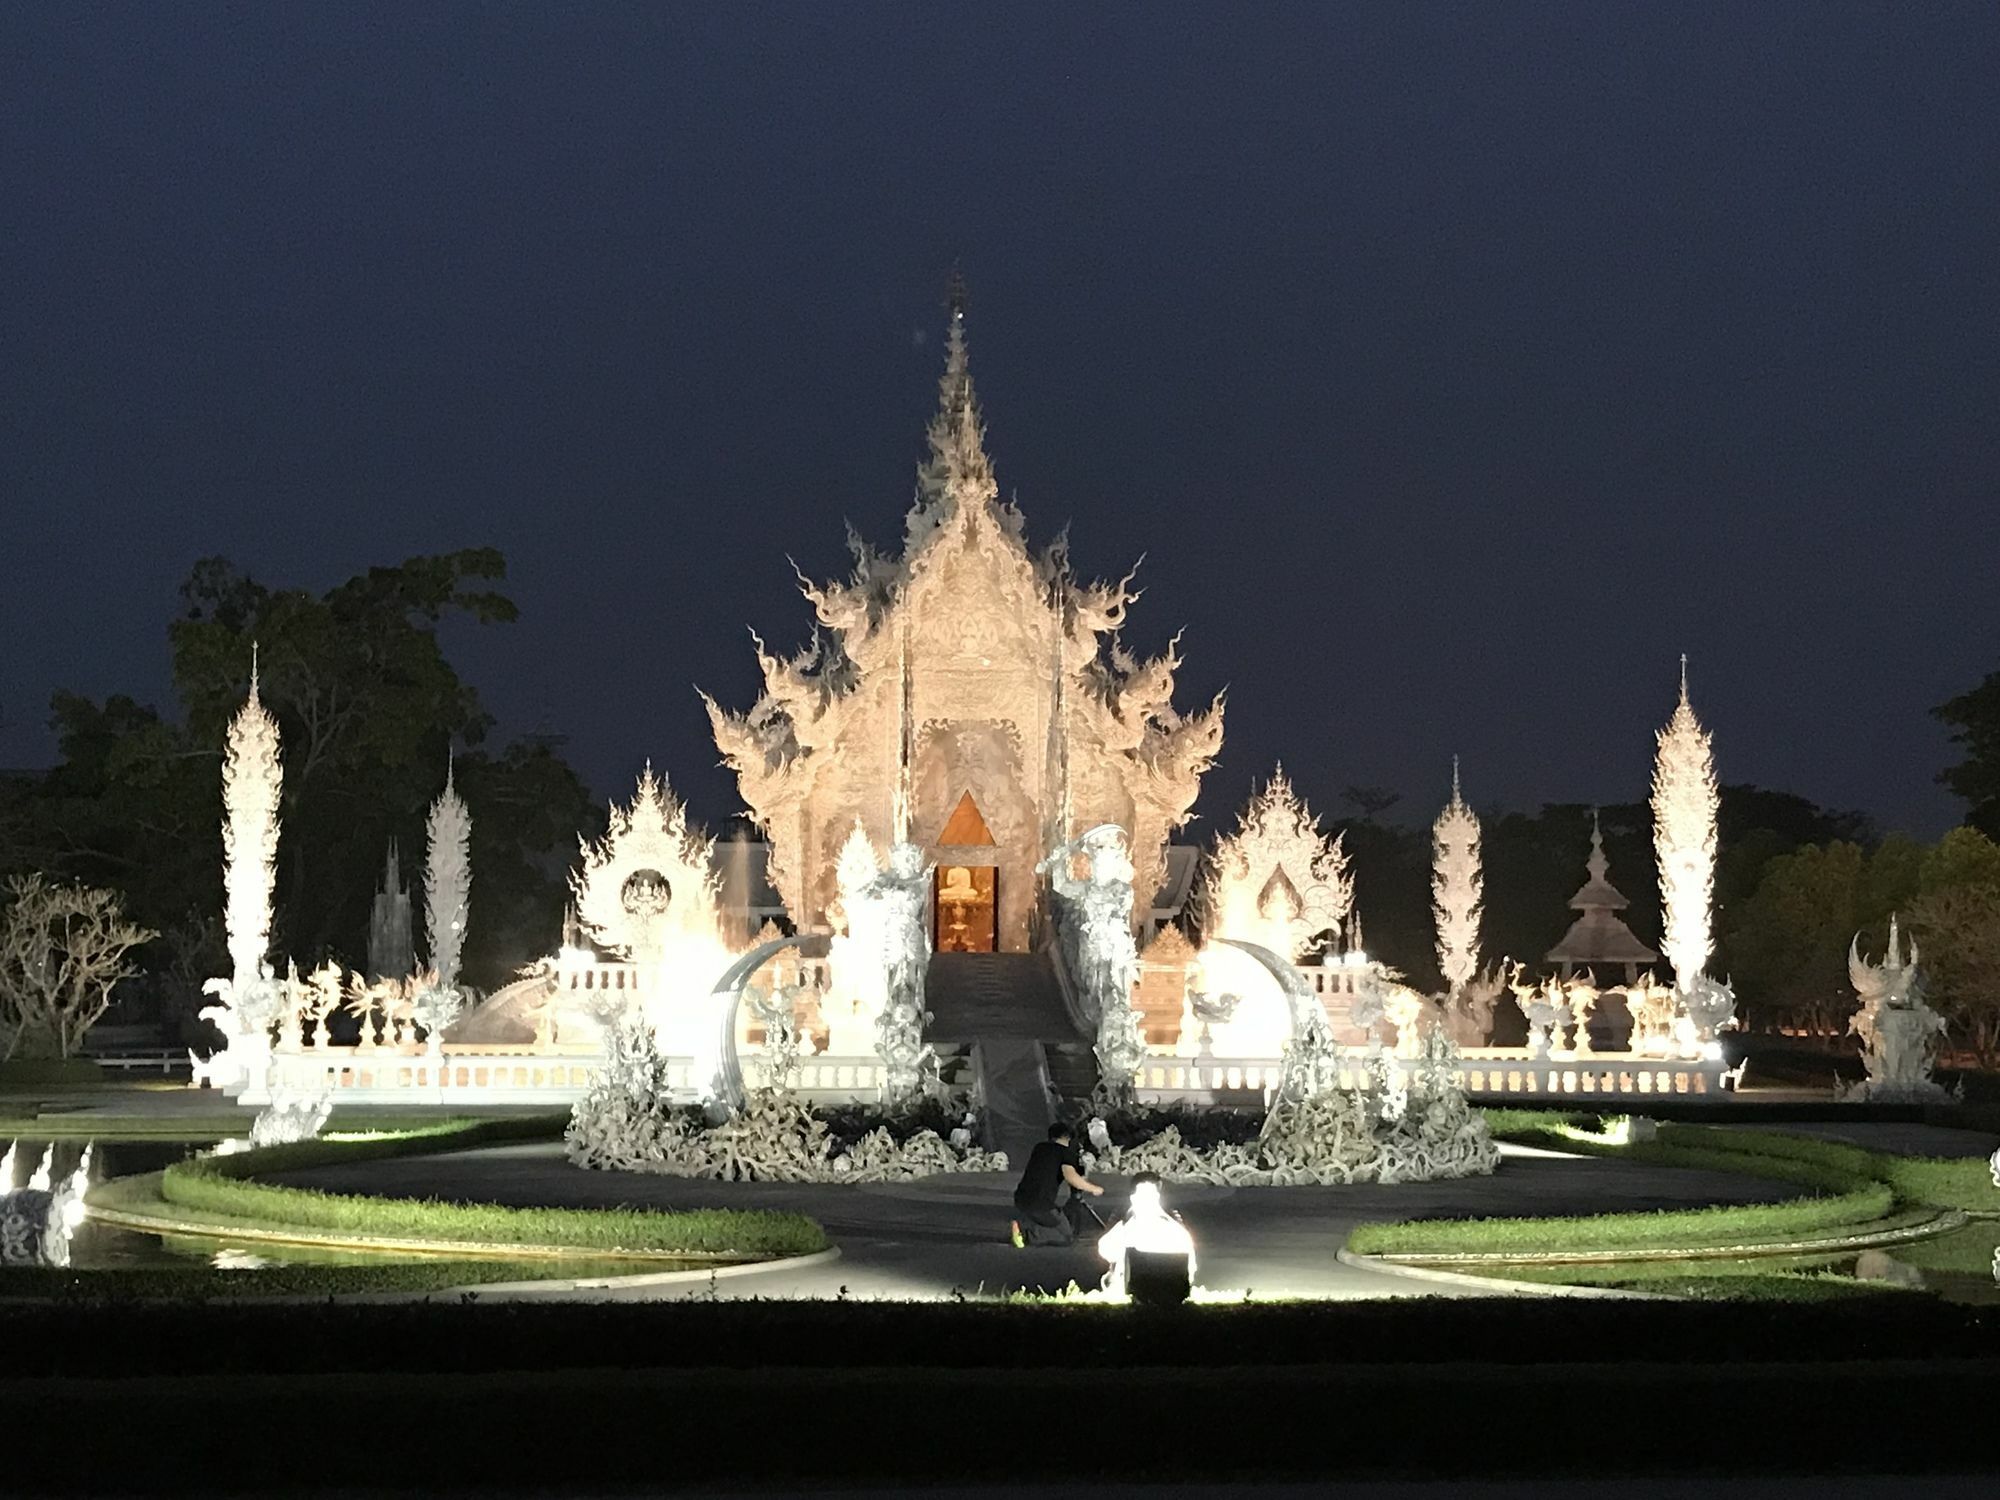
(1974, 718)
(368, 708)
(1956, 921)
(62, 950)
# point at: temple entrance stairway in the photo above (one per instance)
(1005, 1013)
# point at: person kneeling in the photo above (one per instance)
(1044, 1217)
(1150, 1252)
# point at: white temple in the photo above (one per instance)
(968, 787)
(972, 696)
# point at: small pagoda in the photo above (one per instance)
(1599, 938)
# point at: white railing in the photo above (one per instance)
(520, 1074)
(1483, 1072)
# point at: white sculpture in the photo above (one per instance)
(1899, 1031)
(1277, 881)
(857, 973)
(1338, 1135)
(1456, 888)
(1684, 807)
(899, 899)
(1094, 917)
(649, 885)
(291, 1116)
(38, 1221)
(447, 881)
(434, 1005)
(1538, 1008)
(1709, 1008)
(249, 1001)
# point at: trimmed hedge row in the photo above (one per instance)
(224, 1187)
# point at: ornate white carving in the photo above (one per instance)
(1456, 887)
(252, 787)
(649, 884)
(1899, 1031)
(249, 1001)
(447, 881)
(1277, 880)
(629, 1122)
(1094, 920)
(291, 1116)
(898, 902)
(1684, 807)
(965, 631)
(853, 1006)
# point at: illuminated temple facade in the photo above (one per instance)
(971, 697)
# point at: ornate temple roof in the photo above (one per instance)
(1599, 936)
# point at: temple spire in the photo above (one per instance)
(958, 470)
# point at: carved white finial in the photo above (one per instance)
(253, 669)
(1685, 801)
(1684, 677)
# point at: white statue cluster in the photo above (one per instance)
(1414, 1126)
(629, 1122)
(250, 1001)
(1094, 918)
(1899, 1031)
(38, 1219)
(897, 906)
(292, 1115)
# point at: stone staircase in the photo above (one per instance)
(1004, 1013)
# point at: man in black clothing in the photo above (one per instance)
(1045, 1219)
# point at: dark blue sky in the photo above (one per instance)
(1456, 367)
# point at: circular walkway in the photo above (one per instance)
(946, 1236)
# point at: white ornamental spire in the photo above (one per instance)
(1456, 888)
(958, 475)
(252, 784)
(447, 880)
(1684, 807)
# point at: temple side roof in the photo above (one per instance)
(1599, 936)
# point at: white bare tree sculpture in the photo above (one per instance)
(1456, 888)
(62, 949)
(447, 881)
(1684, 807)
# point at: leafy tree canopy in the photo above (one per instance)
(1974, 720)
(369, 708)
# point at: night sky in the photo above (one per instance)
(1456, 367)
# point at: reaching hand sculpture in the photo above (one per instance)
(1094, 920)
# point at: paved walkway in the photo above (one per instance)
(945, 1236)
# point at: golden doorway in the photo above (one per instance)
(967, 909)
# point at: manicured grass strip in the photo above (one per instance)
(1673, 1229)
(221, 1190)
(1852, 1195)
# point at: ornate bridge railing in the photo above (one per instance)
(1484, 1072)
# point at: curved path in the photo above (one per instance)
(946, 1236)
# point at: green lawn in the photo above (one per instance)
(221, 1194)
(1854, 1189)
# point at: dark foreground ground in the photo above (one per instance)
(581, 1399)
